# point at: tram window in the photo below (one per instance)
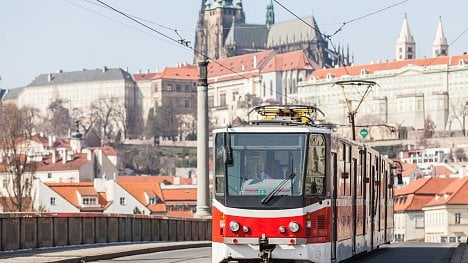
(316, 163)
(262, 161)
(219, 164)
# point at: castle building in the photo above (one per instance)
(405, 45)
(222, 32)
(440, 46)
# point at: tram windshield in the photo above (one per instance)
(266, 164)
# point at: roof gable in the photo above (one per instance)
(93, 75)
(372, 68)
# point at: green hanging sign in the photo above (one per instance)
(364, 133)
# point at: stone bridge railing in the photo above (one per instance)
(36, 230)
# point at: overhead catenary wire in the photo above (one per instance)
(183, 43)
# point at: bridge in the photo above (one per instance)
(83, 237)
(40, 230)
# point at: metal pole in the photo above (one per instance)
(203, 205)
(353, 125)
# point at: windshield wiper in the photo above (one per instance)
(267, 198)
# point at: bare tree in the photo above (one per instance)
(163, 122)
(57, 120)
(459, 112)
(15, 167)
(109, 118)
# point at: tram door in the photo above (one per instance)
(371, 201)
(334, 173)
(354, 177)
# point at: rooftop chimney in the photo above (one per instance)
(104, 69)
(49, 77)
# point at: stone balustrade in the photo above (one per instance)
(36, 230)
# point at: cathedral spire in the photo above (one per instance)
(440, 45)
(405, 46)
(270, 15)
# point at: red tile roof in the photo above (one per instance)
(180, 194)
(371, 68)
(237, 67)
(79, 159)
(411, 202)
(147, 76)
(186, 72)
(454, 194)
(107, 150)
(137, 186)
(408, 169)
(428, 186)
(289, 61)
(442, 170)
(69, 191)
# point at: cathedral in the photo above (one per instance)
(222, 32)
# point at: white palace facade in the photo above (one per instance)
(406, 93)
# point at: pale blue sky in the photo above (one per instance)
(38, 37)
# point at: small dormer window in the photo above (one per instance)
(364, 71)
(89, 200)
(461, 62)
(330, 76)
(153, 200)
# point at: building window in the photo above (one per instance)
(410, 49)
(419, 222)
(122, 201)
(210, 101)
(53, 201)
(153, 200)
(178, 87)
(89, 201)
(187, 103)
(49, 175)
(222, 99)
(457, 218)
(169, 88)
(187, 87)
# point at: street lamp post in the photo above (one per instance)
(464, 117)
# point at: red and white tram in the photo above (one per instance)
(288, 190)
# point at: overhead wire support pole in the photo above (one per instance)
(353, 111)
(203, 201)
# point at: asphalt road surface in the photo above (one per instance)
(410, 252)
(393, 253)
(193, 255)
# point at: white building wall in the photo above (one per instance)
(128, 205)
(43, 200)
(412, 93)
(66, 176)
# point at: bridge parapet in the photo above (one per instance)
(36, 230)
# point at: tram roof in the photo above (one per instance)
(273, 128)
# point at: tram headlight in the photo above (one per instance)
(282, 229)
(246, 229)
(234, 226)
(294, 227)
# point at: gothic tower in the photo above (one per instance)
(270, 15)
(215, 20)
(405, 45)
(440, 45)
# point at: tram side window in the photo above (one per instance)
(219, 165)
(345, 182)
(316, 163)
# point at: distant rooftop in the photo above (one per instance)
(85, 75)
